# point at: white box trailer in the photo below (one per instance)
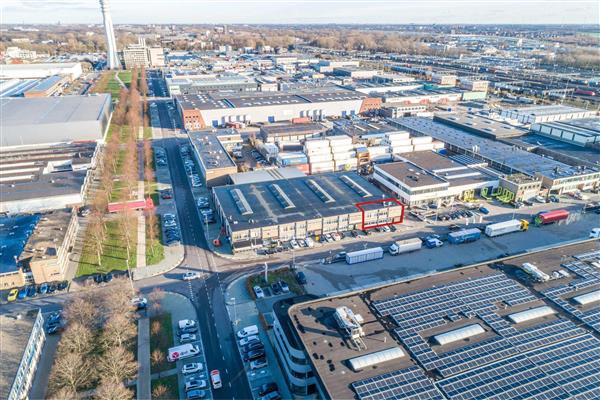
(364, 255)
(501, 228)
(404, 246)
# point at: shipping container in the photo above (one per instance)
(374, 253)
(464, 236)
(549, 217)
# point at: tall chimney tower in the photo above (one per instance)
(111, 43)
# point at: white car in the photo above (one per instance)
(190, 276)
(540, 199)
(336, 236)
(187, 337)
(309, 242)
(294, 244)
(192, 368)
(248, 339)
(195, 384)
(595, 233)
(258, 292)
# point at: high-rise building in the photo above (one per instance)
(138, 54)
(111, 43)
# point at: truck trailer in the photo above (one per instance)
(364, 255)
(501, 228)
(404, 246)
(464, 236)
(549, 217)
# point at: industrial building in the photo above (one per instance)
(22, 336)
(439, 95)
(291, 132)
(45, 256)
(47, 87)
(215, 163)
(196, 83)
(465, 334)
(257, 214)
(556, 176)
(39, 71)
(480, 125)
(37, 179)
(216, 109)
(539, 114)
(579, 132)
(49, 120)
(426, 177)
(140, 55)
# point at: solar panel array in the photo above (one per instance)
(410, 383)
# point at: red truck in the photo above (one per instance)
(548, 217)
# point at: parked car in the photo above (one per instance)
(301, 278)
(554, 198)
(276, 288)
(187, 329)
(540, 199)
(195, 384)
(294, 244)
(258, 292)
(595, 233)
(12, 295)
(98, 278)
(253, 346)
(192, 368)
(187, 338)
(52, 288)
(254, 354)
(259, 363)
(22, 293)
(267, 388)
(140, 303)
(284, 287)
(271, 396)
(190, 275)
(195, 394)
(484, 210)
(31, 292)
(107, 277)
(63, 285)
(249, 339)
(250, 330)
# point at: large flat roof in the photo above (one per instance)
(210, 151)
(410, 174)
(509, 156)
(14, 336)
(52, 110)
(550, 356)
(480, 124)
(545, 110)
(261, 99)
(303, 193)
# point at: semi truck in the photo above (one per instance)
(404, 246)
(354, 257)
(549, 217)
(464, 236)
(502, 228)
(184, 351)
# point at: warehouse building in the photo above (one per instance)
(22, 337)
(426, 177)
(556, 176)
(38, 71)
(480, 125)
(200, 83)
(50, 120)
(579, 132)
(254, 215)
(45, 178)
(47, 87)
(215, 163)
(216, 109)
(291, 132)
(468, 334)
(539, 114)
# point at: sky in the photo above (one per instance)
(305, 11)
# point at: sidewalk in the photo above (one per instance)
(243, 312)
(143, 350)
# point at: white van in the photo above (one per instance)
(183, 351)
(186, 323)
(248, 331)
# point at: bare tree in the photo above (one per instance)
(96, 233)
(143, 82)
(155, 328)
(155, 297)
(117, 300)
(157, 357)
(152, 231)
(82, 311)
(117, 363)
(71, 371)
(118, 330)
(160, 392)
(77, 338)
(64, 393)
(112, 389)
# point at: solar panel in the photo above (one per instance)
(319, 191)
(409, 383)
(281, 197)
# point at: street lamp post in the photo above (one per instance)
(235, 321)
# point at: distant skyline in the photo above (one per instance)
(304, 11)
